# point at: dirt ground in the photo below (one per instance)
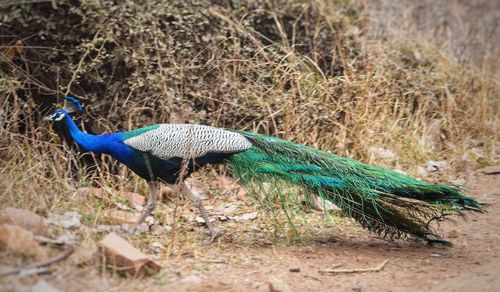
(472, 264)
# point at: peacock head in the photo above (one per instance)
(71, 105)
(57, 116)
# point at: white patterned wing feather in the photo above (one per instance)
(184, 140)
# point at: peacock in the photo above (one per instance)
(388, 203)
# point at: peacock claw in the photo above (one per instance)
(214, 234)
(136, 229)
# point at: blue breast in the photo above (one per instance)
(143, 163)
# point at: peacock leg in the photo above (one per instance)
(151, 205)
(214, 233)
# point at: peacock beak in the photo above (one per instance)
(51, 118)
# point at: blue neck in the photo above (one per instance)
(111, 144)
(94, 143)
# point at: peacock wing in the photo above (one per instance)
(165, 141)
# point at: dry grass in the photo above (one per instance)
(466, 31)
(337, 75)
(314, 72)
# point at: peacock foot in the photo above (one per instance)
(214, 234)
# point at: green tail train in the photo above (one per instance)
(386, 202)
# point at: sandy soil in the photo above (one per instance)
(472, 264)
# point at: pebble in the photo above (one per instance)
(157, 247)
(68, 220)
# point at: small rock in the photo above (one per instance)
(432, 166)
(228, 210)
(381, 153)
(417, 55)
(68, 239)
(19, 241)
(89, 192)
(141, 229)
(103, 229)
(191, 280)
(157, 247)
(160, 229)
(356, 287)
(459, 182)
(490, 170)
(150, 221)
(200, 219)
(245, 217)
(124, 216)
(125, 258)
(123, 207)
(135, 229)
(295, 270)
(42, 286)
(136, 200)
(277, 285)
(24, 219)
(222, 218)
(319, 204)
(69, 220)
(421, 171)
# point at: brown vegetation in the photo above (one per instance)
(337, 75)
(310, 72)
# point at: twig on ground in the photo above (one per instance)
(314, 278)
(215, 261)
(249, 273)
(41, 264)
(376, 269)
(47, 240)
(336, 266)
(35, 271)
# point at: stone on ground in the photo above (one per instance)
(126, 259)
